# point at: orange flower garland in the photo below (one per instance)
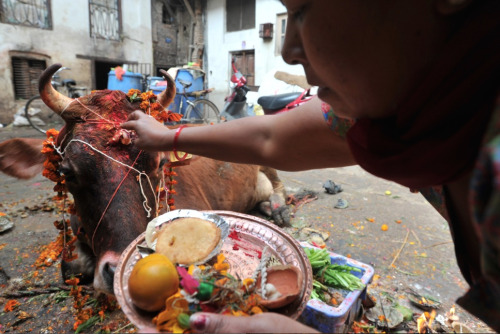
(65, 240)
(51, 164)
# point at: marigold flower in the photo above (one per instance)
(10, 305)
(221, 266)
(133, 91)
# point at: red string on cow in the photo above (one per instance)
(111, 200)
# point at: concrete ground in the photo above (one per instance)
(414, 252)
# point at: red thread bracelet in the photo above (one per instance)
(174, 149)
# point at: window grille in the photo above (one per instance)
(240, 15)
(25, 73)
(31, 13)
(105, 21)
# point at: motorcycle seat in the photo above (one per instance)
(277, 102)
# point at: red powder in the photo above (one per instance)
(234, 235)
(235, 247)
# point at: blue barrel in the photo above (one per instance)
(129, 80)
(197, 77)
(156, 84)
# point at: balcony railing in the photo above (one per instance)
(105, 19)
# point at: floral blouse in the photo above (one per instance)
(483, 298)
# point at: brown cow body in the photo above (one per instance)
(103, 177)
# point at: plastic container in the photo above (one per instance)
(329, 319)
(156, 84)
(129, 80)
(194, 76)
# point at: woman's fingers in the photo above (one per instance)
(261, 323)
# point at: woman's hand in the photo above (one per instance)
(151, 134)
(261, 323)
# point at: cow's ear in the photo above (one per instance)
(21, 157)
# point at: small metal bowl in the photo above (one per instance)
(156, 224)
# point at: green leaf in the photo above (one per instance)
(317, 257)
(87, 324)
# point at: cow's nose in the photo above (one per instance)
(108, 273)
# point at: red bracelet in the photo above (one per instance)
(176, 137)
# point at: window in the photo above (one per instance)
(240, 15)
(105, 21)
(25, 73)
(167, 14)
(31, 13)
(280, 32)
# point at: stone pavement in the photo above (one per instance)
(414, 252)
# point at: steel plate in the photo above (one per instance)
(248, 237)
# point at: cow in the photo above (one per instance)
(113, 183)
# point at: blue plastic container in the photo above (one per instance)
(153, 84)
(129, 80)
(329, 319)
(157, 85)
(197, 77)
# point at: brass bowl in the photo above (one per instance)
(242, 249)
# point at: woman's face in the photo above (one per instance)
(366, 56)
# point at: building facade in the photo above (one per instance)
(90, 37)
(251, 31)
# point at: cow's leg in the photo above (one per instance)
(275, 206)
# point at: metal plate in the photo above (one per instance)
(247, 239)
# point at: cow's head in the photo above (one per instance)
(112, 182)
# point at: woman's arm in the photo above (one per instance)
(295, 140)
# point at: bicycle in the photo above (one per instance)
(200, 110)
(41, 117)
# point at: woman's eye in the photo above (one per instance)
(298, 14)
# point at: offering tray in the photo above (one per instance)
(248, 236)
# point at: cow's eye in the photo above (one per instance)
(68, 173)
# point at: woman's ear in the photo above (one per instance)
(450, 7)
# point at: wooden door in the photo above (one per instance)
(245, 63)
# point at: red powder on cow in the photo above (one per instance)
(235, 247)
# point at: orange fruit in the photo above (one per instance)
(385, 227)
(153, 279)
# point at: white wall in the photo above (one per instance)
(219, 44)
(69, 37)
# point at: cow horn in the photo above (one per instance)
(167, 96)
(51, 97)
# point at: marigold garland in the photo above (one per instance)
(64, 244)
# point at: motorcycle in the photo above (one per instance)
(283, 91)
(275, 104)
(236, 104)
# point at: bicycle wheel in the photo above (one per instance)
(40, 116)
(202, 111)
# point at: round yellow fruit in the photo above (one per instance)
(153, 279)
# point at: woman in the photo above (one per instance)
(418, 80)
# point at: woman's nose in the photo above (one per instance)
(293, 51)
